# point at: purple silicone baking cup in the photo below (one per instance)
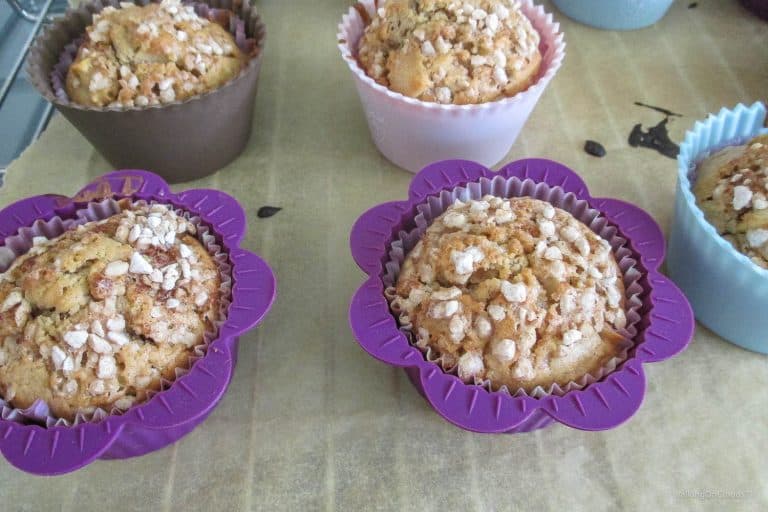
(174, 412)
(665, 328)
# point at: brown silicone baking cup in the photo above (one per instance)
(182, 140)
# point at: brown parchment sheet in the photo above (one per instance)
(311, 422)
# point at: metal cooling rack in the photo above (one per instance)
(24, 114)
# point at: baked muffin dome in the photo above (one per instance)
(149, 55)
(96, 317)
(514, 291)
(449, 51)
(732, 190)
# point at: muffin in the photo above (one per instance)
(513, 291)
(731, 189)
(145, 55)
(451, 52)
(96, 317)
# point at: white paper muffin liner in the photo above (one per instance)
(18, 245)
(510, 188)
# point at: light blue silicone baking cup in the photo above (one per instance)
(615, 14)
(728, 292)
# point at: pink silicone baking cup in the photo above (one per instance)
(174, 412)
(412, 133)
(665, 326)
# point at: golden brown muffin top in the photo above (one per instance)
(97, 316)
(136, 56)
(732, 190)
(514, 291)
(448, 51)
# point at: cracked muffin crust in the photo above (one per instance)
(513, 291)
(732, 190)
(449, 51)
(136, 56)
(96, 317)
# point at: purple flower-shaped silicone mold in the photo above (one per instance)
(665, 328)
(174, 412)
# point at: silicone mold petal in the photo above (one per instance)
(376, 328)
(447, 173)
(124, 183)
(671, 320)
(605, 404)
(37, 450)
(217, 208)
(371, 230)
(547, 171)
(472, 407)
(629, 218)
(255, 289)
(26, 211)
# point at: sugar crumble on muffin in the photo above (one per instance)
(98, 316)
(451, 52)
(513, 291)
(731, 188)
(135, 56)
